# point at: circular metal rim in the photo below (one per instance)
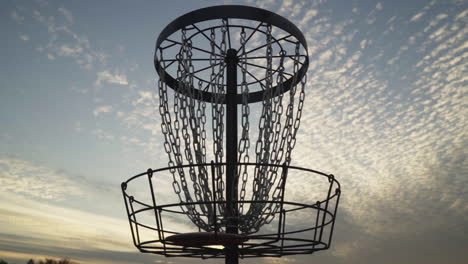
(225, 12)
(257, 245)
(254, 251)
(330, 177)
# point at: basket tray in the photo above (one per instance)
(198, 239)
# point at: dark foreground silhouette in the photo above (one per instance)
(45, 261)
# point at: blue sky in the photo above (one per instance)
(385, 112)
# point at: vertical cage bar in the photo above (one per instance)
(338, 194)
(330, 179)
(134, 220)
(153, 198)
(284, 176)
(124, 187)
(316, 224)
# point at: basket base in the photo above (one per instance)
(199, 239)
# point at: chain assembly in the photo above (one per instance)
(184, 124)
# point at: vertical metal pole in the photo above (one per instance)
(232, 256)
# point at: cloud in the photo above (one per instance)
(461, 15)
(308, 16)
(106, 76)
(67, 14)
(24, 37)
(417, 17)
(145, 97)
(435, 21)
(441, 16)
(325, 56)
(40, 207)
(363, 43)
(393, 140)
(379, 6)
(65, 42)
(66, 50)
(53, 225)
(19, 176)
(102, 109)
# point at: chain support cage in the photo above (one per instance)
(303, 225)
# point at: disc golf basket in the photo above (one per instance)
(231, 92)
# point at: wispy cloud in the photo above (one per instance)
(67, 14)
(23, 177)
(461, 15)
(24, 37)
(379, 6)
(70, 228)
(388, 147)
(35, 205)
(106, 76)
(308, 16)
(64, 42)
(66, 50)
(102, 109)
(417, 17)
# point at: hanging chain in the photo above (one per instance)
(244, 143)
(171, 141)
(199, 180)
(218, 110)
(262, 147)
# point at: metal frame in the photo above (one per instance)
(229, 12)
(317, 234)
(283, 241)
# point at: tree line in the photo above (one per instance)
(45, 261)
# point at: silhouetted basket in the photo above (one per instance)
(244, 69)
(310, 229)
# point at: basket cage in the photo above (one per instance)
(298, 222)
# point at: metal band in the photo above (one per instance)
(225, 12)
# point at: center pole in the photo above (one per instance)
(232, 255)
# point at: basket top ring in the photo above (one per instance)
(228, 12)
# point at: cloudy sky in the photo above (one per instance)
(385, 113)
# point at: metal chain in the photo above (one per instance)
(199, 132)
(244, 143)
(269, 174)
(218, 89)
(186, 82)
(275, 141)
(199, 180)
(262, 148)
(170, 141)
(270, 209)
(289, 135)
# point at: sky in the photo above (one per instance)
(385, 112)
